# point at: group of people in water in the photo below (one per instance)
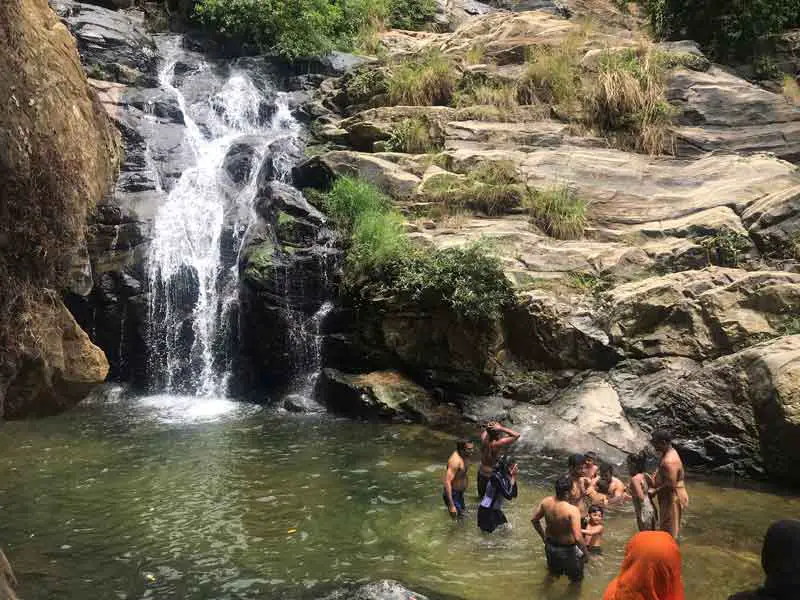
(573, 516)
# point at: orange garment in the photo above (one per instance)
(651, 569)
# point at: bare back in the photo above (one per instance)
(562, 519)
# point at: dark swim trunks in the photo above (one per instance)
(490, 519)
(595, 550)
(564, 560)
(483, 481)
(458, 501)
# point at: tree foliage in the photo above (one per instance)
(728, 28)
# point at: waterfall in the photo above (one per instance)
(192, 291)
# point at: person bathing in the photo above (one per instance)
(564, 545)
(642, 503)
(667, 488)
(495, 439)
(455, 479)
(502, 485)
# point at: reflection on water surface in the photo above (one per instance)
(169, 497)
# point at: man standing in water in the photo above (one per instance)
(494, 439)
(455, 478)
(564, 546)
(667, 488)
(580, 484)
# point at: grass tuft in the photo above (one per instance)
(558, 212)
(429, 80)
(492, 188)
(500, 95)
(791, 89)
(627, 102)
(417, 135)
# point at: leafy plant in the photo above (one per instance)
(729, 29)
(726, 248)
(559, 212)
(380, 261)
(467, 281)
(429, 80)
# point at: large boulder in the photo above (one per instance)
(701, 314)
(385, 395)
(60, 154)
(55, 375)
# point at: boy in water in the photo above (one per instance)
(645, 513)
(563, 540)
(593, 532)
(455, 479)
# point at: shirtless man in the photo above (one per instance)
(563, 540)
(455, 478)
(617, 493)
(494, 439)
(580, 484)
(667, 488)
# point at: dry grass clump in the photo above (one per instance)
(500, 95)
(491, 188)
(417, 135)
(429, 80)
(558, 212)
(476, 55)
(627, 101)
(791, 89)
(552, 77)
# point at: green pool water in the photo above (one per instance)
(167, 498)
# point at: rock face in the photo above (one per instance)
(63, 371)
(60, 155)
(676, 304)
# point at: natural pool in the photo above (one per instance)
(168, 498)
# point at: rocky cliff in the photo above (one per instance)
(59, 155)
(675, 302)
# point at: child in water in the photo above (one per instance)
(593, 532)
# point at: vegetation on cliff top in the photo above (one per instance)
(382, 262)
(727, 29)
(304, 28)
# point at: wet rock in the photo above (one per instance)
(381, 395)
(113, 45)
(380, 590)
(452, 13)
(279, 159)
(239, 162)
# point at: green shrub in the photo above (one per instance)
(417, 135)
(726, 248)
(429, 80)
(559, 212)
(380, 260)
(364, 84)
(467, 281)
(727, 28)
(303, 28)
(628, 102)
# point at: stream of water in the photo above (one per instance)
(176, 497)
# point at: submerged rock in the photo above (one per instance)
(379, 590)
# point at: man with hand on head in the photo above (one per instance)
(495, 439)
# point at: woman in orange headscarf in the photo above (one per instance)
(651, 569)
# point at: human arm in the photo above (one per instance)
(511, 437)
(449, 477)
(667, 478)
(577, 533)
(5, 569)
(536, 521)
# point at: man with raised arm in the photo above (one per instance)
(455, 478)
(667, 488)
(495, 439)
(564, 546)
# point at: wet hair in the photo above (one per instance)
(596, 508)
(575, 461)
(603, 486)
(606, 471)
(563, 487)
(779, 557)
(590, 455)
(494, 434)
(503, 465)
(637, 463)
(461, 445)
(661, 436)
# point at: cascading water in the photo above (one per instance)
(192, 291)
